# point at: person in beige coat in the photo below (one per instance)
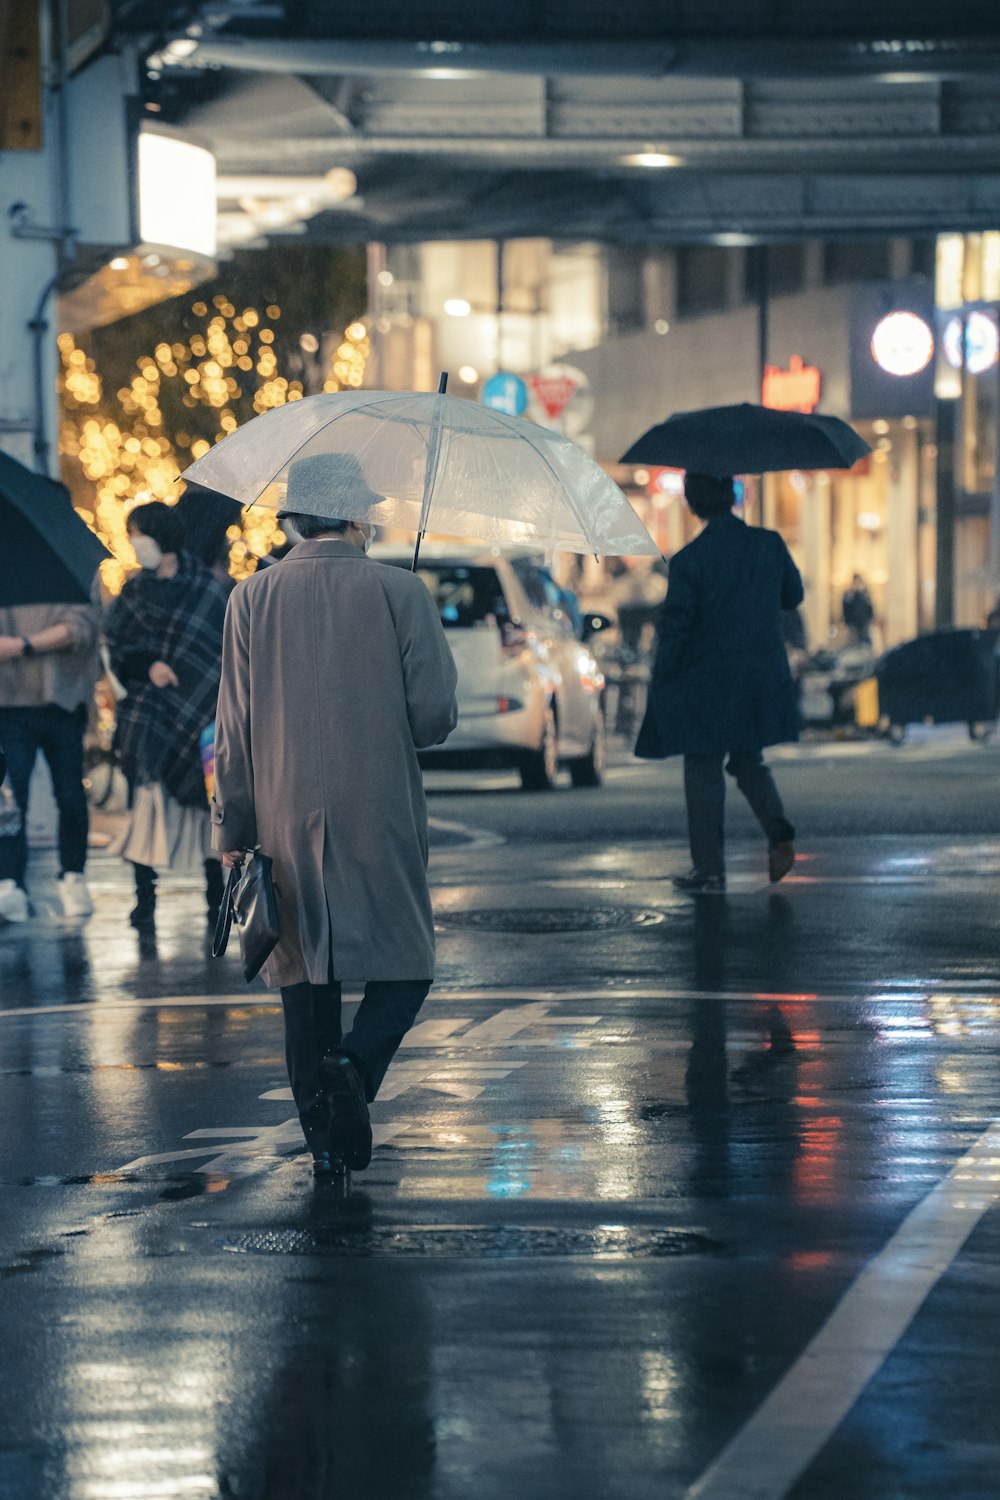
(335, 671)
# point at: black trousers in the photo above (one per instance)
(705, 792)
(313, 1029)
(58, 734)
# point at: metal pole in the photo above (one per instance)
(763, 314)
(500, 299)
(946, 422)
(763, 319)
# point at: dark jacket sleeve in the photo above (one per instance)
(675, 624)
(792, 592)
(429, 673)
(234, 824)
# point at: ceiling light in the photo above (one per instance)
(385, 278)
(651, 159)
(468, 374)
(457, 307)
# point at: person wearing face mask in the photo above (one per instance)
(164, 640)
(335, 671)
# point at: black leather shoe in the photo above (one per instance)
(350, 1126)
(143, 913)
(695, 884)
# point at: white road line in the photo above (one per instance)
(802, 1413)
(970, 992)
(476, 838)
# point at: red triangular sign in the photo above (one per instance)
(554, 392)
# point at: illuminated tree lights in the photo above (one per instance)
(131, 447)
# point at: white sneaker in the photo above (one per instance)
(74, 896)
(13, 901)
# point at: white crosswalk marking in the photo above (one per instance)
(256, 1148)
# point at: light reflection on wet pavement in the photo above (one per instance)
(626, 1171)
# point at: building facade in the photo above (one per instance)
(650, 331)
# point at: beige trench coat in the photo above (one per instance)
(335, 670)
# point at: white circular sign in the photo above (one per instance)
(902, 344)
(982, 343)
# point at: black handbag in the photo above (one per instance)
(250, 901)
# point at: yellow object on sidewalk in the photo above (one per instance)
(866, 703)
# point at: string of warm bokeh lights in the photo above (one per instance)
(120, 443)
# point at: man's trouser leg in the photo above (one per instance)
(312, 1029)
(705, 793)
(758, 786)
(383, 1018)
(60, 735)
(20, 748)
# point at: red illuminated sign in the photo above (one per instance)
(555, 392)
(794, 389)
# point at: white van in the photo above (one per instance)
(530, 693)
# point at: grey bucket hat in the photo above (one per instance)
(332, 485)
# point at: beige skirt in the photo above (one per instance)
(165, 835)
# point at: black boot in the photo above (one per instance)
(215, 888)
(144, 909)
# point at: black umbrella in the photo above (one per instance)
(747, 439)
(49, 555)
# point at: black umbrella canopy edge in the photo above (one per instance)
(48, 509)
(814, 441)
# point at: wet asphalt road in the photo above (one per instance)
(671, 1198)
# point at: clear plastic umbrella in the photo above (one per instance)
(434, 462)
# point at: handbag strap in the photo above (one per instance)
(224, 924)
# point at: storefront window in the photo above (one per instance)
(979, 433)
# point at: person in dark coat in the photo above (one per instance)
(858, 611)
(721, 685)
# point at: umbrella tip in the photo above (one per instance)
(443, 383)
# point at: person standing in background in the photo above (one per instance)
(164, 637)
(49, 663)
(858, 611)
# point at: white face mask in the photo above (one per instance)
(147, 552)
(365, 532)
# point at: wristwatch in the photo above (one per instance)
(29, 649)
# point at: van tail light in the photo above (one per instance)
(509, 705)
(513, 638)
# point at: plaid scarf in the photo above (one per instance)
(179, 621)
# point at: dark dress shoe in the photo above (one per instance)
(780, 859)
(695, 884)
(350, 1126)
(143, 913)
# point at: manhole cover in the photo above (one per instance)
(486, 1241)
(550, 919)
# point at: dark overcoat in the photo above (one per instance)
(335, 671)
(721, 681)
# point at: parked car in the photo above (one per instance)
(530, 693)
